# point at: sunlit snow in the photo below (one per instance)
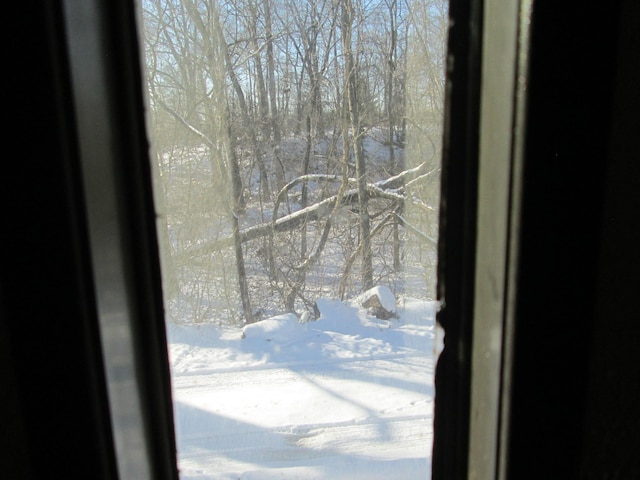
(347, 396)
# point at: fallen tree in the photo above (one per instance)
(392, 189)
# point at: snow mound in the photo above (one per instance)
(280, 328)
(333, 315)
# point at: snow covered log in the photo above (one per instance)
(389, 189)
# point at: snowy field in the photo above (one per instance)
(347, 396)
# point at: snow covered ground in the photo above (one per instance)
(347, 396)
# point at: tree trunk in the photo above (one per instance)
(220, 53)
(237, 242)
(390, 107)
(271, 76)
(351, 87)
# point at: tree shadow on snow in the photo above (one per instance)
(204, 438)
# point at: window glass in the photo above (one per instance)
(296, 160)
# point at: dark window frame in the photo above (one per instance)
(52, 332)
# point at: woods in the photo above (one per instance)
(296, 149)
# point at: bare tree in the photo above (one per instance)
(351, 91)
(273, 100)
(278, 99)
(390, 107)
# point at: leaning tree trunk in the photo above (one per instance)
(237, 242)
(221, 64)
